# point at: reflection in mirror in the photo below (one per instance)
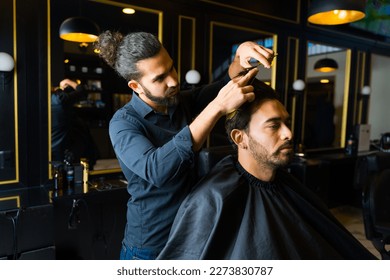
(224, 41)
(226, 38)
(326, 99)
(105, 90)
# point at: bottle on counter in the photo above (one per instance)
(85, 165)
(69, 170)
(58, 175)
(69, 175)
(351, 147)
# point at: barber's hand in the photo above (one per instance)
(236, 92)
(248, 50)
(67, 83)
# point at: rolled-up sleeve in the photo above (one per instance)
(154, 163)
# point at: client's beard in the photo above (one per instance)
(276, 159)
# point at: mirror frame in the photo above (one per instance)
(242, 28)
(159, 14)
(361, 104)
(182, 53)
(346, 86)
(290, 99)
(15, 79)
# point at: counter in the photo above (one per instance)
(40, 223)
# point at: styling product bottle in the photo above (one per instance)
(351, 147)
(69, 175)
(69, 170)
(84, 163)
(58, 178)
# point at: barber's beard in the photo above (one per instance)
(279, 158)
(168, 99)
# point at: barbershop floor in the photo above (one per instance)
(352, 219)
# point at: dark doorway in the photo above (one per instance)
(319, 115)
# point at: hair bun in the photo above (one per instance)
(107, 44)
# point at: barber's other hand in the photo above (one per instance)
(67, 83)
(248, 50)
(236, 92)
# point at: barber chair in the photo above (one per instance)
(210, 156)
(376, 203)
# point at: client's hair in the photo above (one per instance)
(240, 118)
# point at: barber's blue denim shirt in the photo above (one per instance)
(155, 153)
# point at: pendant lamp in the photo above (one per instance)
(79, 29)
(326, 65)
(334, 12)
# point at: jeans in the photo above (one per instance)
(134, 253)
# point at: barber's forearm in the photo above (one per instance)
(204, 123)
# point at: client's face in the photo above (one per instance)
(269, 136)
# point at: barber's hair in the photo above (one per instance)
(123, 53)
(240, 118)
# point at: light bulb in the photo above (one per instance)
(6, 62)
(366, 90)
(192, 77)
(299, 85)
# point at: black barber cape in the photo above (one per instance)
(231, 214)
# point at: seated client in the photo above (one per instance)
(249, 207)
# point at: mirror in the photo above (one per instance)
(378, 101)
(224, 41)
(9, 164)
(326, 98)
(106, 91)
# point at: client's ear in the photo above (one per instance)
(238, 137)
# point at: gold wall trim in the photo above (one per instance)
(105, 171)
(360, 82)
(291, 61)
(16, 122)
(257, 13)
(15, 197)
(346, 93)
(49, 86)
(193, 43)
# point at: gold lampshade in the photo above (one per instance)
(79, 29)
(326, 65)
(327, 12)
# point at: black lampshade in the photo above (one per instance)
(79, 29)
(326, 65)
(333, 12)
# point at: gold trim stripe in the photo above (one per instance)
(346, 93)
(49, 87)
(15, 197)
(16, 122)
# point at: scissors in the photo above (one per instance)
(246, 70)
